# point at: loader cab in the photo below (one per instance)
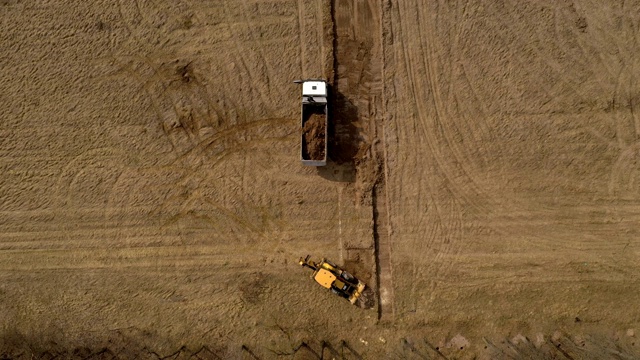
(343, 289)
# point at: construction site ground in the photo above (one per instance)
(484, 179)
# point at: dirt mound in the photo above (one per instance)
(367, 300)
(313, 134)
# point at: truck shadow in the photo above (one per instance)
(344, 139)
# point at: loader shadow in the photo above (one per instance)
(344, 139)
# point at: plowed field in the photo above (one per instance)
(483, 179)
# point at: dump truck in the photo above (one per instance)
(332, 277)
(314, 122)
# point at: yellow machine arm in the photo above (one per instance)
(308, 263)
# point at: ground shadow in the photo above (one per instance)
(344, 139)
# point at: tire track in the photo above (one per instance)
(312, 45)
(438, 108)
(626, 123)
(303, 50)
(484, 135)
(240, 55)
(219, 150)
(166, 98)
(423, 114)
(553, 66)
(440, 114)
(450, 187)
(64, 187)
(133, 257)
(448, 141)
(263, 59)
(464, 179)
(127, 24)
(397, 31)
(487, 202)
(469, 189)
(625, 174)
(359, 133)
(160, 90)
(165, 90)
(142, 19)
(580, 40)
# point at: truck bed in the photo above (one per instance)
(314, 134)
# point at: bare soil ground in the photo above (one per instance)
(484, 179)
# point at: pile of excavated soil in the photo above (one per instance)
(313, 134)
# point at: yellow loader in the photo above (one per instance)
(332, 277)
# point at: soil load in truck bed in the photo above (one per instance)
(313, 133)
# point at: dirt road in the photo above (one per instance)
(483, 179)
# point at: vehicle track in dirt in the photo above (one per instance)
(438, 219)
(358, 128)
(470, 134)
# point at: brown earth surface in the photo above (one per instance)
(313, 134)
(485, 183)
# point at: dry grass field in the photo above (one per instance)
(484, 179)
